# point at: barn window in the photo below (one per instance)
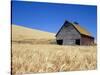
(60, 42)
(77, 41)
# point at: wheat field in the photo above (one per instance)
(35, 51)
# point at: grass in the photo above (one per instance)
(31, 55)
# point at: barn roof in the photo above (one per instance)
(80, 29)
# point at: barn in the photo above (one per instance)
(71, 33)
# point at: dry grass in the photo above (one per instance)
(23, 33)
(35, 56)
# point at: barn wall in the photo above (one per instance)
(68, 33)
(68, 42)
(87, 41)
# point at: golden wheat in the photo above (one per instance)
(29, 58)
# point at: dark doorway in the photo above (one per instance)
(60, 42)
(77, 42)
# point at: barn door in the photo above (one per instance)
(77, 41)
(60, 42)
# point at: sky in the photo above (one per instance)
(51, 16)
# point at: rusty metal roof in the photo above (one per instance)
(81, 29)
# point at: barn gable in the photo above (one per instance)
(71, 33)
(66, 31)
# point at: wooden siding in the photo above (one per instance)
(85, 40)
(68, 34)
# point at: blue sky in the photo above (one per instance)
(51, 16)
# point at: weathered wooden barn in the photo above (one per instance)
(73, 34)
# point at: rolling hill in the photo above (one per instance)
(22, 34)
(19, 32)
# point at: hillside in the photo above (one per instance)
(26, 35)
(19, 32)
(36, 51)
